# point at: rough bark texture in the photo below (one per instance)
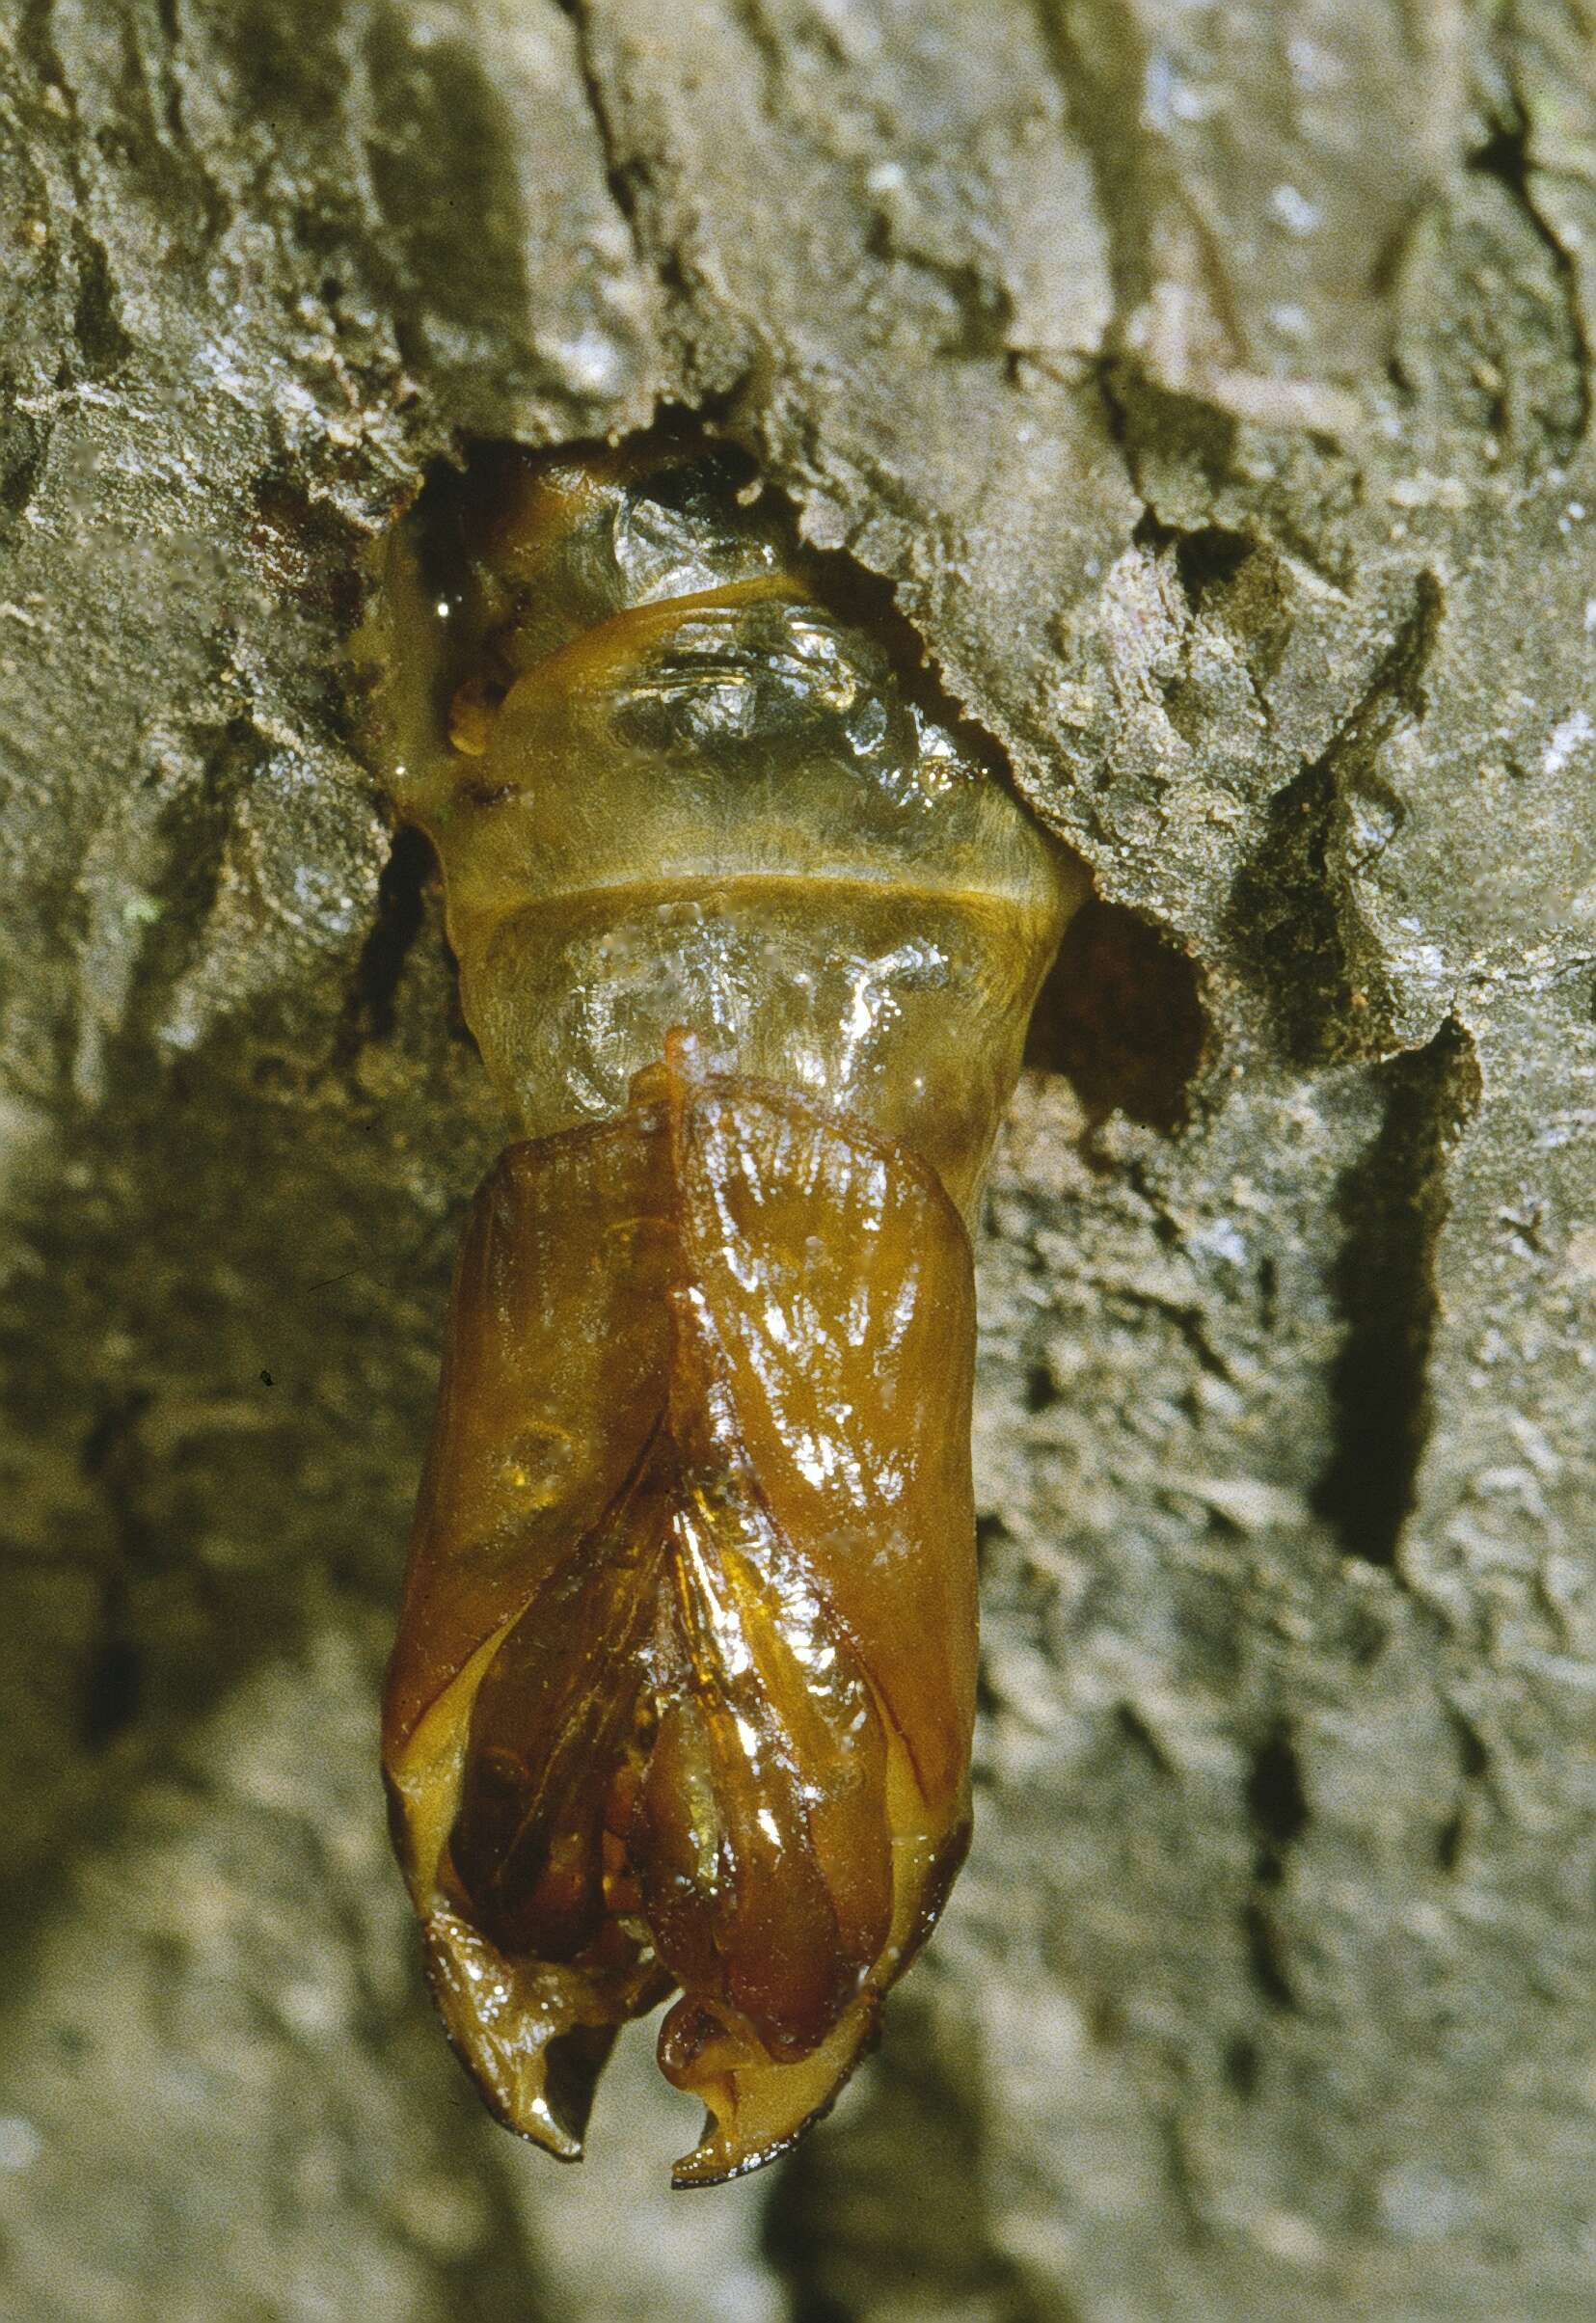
(1213, 385)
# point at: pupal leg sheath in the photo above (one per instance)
(684, 1683)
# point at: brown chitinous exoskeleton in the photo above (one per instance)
(684, 1683)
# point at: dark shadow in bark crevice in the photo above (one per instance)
(1120, 1018)
(1394, 1204)
(836, 2230)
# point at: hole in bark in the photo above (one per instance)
(1394, 1205)
(1040, 1390)
(1120, 1016)
(1286, 911)
(1209, 558)
(1277, 1807)
(1449, 1841)
(401, 904)
(103, 342)
(1276, 1801)
(1205, 559)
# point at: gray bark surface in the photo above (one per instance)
(1212, 385)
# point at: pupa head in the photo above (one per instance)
(675, 780)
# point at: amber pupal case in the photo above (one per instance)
(682, 1696)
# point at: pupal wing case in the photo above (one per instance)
(684, 1683)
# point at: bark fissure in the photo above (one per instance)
(1394, 1202)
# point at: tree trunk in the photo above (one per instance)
(1213, 386)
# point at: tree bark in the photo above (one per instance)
(1213, 388)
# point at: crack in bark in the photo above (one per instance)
(1294, 903)
(1139, 196)
(1277, 1809)
(1474, 1764)
(1505, 158)
(622, 176)
(1394, 1202)
(372, 1005)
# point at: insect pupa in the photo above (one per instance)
(683, 1690)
